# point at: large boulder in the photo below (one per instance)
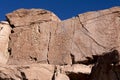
(29, 38)
(5, 31)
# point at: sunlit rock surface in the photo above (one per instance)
(42, 47)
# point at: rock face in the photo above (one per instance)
(41, 47)
(44, 39)
(29, 39)
(86, 35)
(5, 31)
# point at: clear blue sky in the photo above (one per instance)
(64, 9)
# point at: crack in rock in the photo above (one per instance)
(48, 46)
(86, 33)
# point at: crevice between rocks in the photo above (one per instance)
(48, 48)
(86, 31)
(55, 70)
(10, 51)
(23, 76)
(72, 58)
(82, 24)
(12, 26)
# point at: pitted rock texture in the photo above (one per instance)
(85, 36)
(5, 31)
(75, 40)
(96, 32)
(85, 47)
(29, 44)
(24, 17)
(29, 38)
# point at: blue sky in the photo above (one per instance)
(64, 9)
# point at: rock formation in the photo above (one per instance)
(85, 47)
(28, 36)
(46, 38)
(5, 31)
(39, 72)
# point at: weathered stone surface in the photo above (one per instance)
(75, 40)
(41, 72)
(106, 68)
(30, 36)
(96, 32)
(77, 68)
(5, 31)
(24, 17)
(59, 45)
(89, 43)
(29, 44)
(86, 35)
(26, 72)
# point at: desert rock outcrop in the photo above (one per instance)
(74, 40)
(28, 36)
(42, 47)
